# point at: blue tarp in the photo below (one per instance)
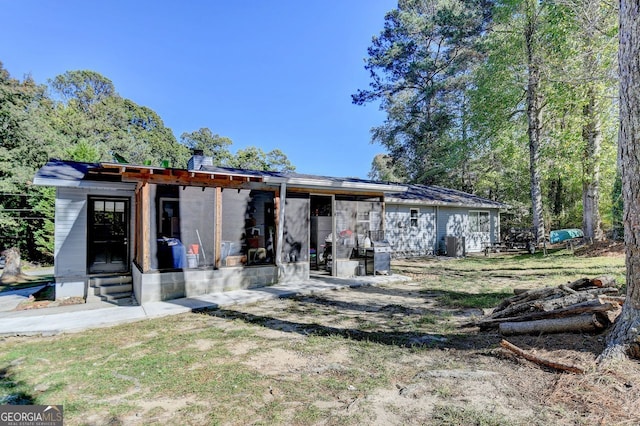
(561, 235)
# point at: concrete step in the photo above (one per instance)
(119, 300)
(115, 296)
(110, 279)
(106, 289)
(116, 289)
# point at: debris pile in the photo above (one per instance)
(584, 305)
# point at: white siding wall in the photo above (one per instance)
(452, 222)
(406, 240)
(495, 226)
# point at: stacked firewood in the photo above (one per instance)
(584, 305)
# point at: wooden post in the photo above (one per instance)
(217, 232)
(281, 199)
(144, 232)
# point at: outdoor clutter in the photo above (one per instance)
(584, 305)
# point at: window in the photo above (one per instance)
(413, 215)
(479, 222)
(169, 217)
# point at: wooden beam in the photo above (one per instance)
(279, 212)
(144, 209)
(217, 236)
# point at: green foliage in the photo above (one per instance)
(452, 77)
(256, 159)
(384, 169)
(211, 144)
(88, 121)
(419, 65)
(83, 88)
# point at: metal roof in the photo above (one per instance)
(77, 174)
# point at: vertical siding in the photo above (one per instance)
(71, 232)
(406, 240)
(70, 255)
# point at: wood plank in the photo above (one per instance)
(217, 238)
(145, 226)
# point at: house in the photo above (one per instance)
(164, 233)
(428, 220)
(159, 233)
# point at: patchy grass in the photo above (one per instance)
(394, 354)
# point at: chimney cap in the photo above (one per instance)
(198, 152)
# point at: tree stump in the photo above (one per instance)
(12, 268)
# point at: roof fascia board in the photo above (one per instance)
(86, 184)
(442, 203)
(330, 184)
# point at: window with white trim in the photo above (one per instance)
(479, 222)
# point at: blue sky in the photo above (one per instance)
(271, 74)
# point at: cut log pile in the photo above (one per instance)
(584, 305)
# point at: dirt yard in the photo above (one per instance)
(464, 377)
(399, 354)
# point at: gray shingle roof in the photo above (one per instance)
(438, 196)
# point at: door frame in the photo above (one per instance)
(126, 265)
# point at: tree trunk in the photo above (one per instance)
(592, 136)
(12, 268)
(534, 119)
(624, 337)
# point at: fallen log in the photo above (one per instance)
(550, 300)
(527, 296)
(580, 323)
(612, 299)
(590, 306)
(604, 281)
(563, 302)
(525, 305)
(540, 361)
(579, 283)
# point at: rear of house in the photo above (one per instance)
(162, 233)
(431, 220)
(155, 233)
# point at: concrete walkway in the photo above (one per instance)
(74, 318)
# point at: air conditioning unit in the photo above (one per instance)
(455, 246)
